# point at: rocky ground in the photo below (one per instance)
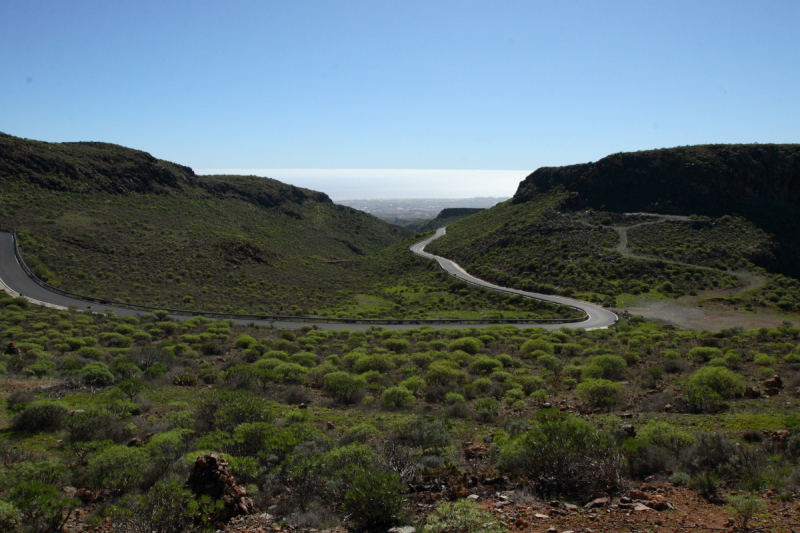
(655, 506)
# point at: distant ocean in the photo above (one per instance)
(391, 183)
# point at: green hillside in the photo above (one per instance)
(109, 221)
(729, 219)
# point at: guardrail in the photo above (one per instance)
(282, 318)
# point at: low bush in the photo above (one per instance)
(397, 397)
(42, 506)
(562, 455)
(717, 381)
(600, 392)
(374, 498)
(709, 452)
(97, 425)
(344, 388)
(97, 374)
(463, 516)
(44, 415)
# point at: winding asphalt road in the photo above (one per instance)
(598, 317)
(16, 281)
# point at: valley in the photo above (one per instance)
(613, 369)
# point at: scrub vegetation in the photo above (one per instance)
(312, 421)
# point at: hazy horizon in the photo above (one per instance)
(342, 184)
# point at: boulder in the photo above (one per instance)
(476, 451)
(752, 392)
(210, 477)
(775, 382)
(597, 502)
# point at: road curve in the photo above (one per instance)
(15, 280)
(598, 317)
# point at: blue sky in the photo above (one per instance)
(400, 85)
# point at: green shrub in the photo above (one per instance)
(9, 517)
(244, 342)
(471, 345)
(429, 434)
(44, 415)
(362, 433)
(732, 359)
(705, 353)
(291, 373)
(97, 425)
(665, 435)
(612, 367)
(709, 452)
(792, 358)
(42, 506)
(744, 507)
(549, 362)
(117, 469)
(166, 507)
(600, 392)
(680, 479)
(534, 345)
(226, 410)
(530, 384)
(463, 516)
(40, 368)
(396, 345)
(414, 383)
(719, 381)
(379, 362)
(306, 359)
(344, 388)
(185, 379)
(486, 409)
(453, 397)
(397, 397)
(97, 374)
(762, 359)
(562, 455)
(513, 395)
(441, 372)
(485, 365)
(374, 498)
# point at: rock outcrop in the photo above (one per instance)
(210, 477)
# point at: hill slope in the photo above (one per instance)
(448, 216)
(110, 221)
(565, 229)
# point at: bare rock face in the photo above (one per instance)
(210, 477)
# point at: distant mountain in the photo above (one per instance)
(448, 216)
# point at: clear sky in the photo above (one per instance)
(496, 85)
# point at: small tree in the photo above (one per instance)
(130, 387)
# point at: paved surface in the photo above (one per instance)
(15, 280)
(598, 317)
